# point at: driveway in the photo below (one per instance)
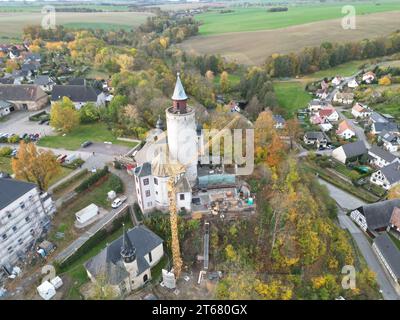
(18, 123)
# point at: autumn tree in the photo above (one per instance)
(224, 81)
(64, 116)
(125, 61)
(293, 130)
(33, 165)
(210, 75)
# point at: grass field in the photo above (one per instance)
(5, 165)
(253, 47)
(72, 141)
(253, 19)
(12, 23)
(291, 96)
(344, 70)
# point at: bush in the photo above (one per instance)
(13, 139)
(116, 184)
(92, 180)
(75, 164)
(5, 151)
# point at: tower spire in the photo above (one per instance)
(128, 251)
(179, 96)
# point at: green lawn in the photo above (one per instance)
(233, 79)
(344, 70)
(72, 141)
(291, 96)
(65, 219)
(252, 19)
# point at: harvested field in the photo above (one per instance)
(12, 24)
(254, 46)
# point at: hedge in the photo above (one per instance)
(93, 241)
(36, 116)
(86, 184)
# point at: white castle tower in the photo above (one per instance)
(181, 130)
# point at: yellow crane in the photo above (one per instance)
(175, 171)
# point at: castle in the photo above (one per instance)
(178, 146)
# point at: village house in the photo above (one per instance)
(279, 121)
(387, 177)
(378, 127)
(388, 254)
(316, 104)
(345, 130)
(380, 158)
(325, 127)
(352, 84)
(24, 97)
(329, 113)
(344, 97)
(45, 82)
(375, 217)
(376, 117)
(319, 139)
(360, 111)
(321, 94)
(5, 108)
(336, 81)
(368, 77)
(78, 94)
(390, 141)
(125, 264)
(350, 152)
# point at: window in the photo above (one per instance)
(156, 192)
(9, 215)
(156, 181)
(22, 205)
(150, 257)
(147, 193)
(4, 236)
(182, 196)
(27, 219)
(146, 181)
(9, 249)
(14, 228)
(149, 204)
(20, 241)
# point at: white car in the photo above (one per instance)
(118, 202)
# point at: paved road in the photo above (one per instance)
(348, 201)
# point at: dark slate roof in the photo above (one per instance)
(11, 190)
(387, 136)
(21, 92)
(32, 56)
(376, 117)
(9, 80)
(109, 260)
(76, 93)
(43, 80)
(354, 149)
(382, 153)
(392, 172)
(144, 170)
(390, 252)
(378, 214)
(29, 67)
(317, 135)
(278, 118)
(387, 126)
(77, 82)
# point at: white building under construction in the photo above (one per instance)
(24, 214)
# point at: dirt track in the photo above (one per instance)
(253, 47)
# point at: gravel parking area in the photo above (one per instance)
(108, 149)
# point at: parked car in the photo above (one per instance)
(118, 202)
(86, 144)
(42, 121)
(61, 158)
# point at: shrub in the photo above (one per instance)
(5, 151)
(13, 139)
(37, 116)
(86, 184)
(116, 184)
